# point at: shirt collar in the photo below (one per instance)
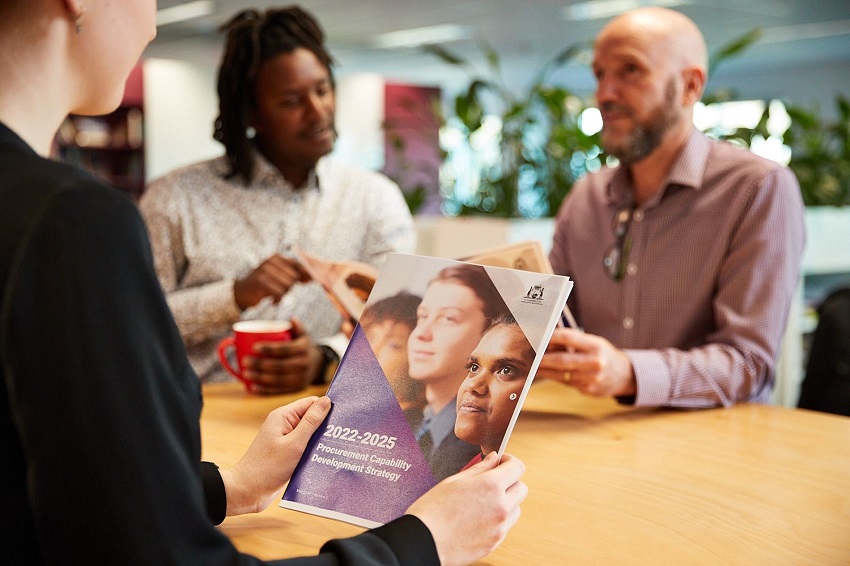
(687, 171)
(443, 423)
(7, 135)
(689, 167)
(266, 173)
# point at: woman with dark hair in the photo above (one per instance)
(459, 304)
(496, 372)
(223, 230)
(99, 408)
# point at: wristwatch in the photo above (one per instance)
(329, 363)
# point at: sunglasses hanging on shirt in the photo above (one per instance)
(617, 257)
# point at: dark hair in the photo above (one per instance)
(360, 281)
(508, 319)
(476, 278)
(400, 307)
(253, 38)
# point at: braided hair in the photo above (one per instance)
(252, 39)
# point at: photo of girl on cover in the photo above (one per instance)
(497, 370)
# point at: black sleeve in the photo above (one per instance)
(403, 542)
(215, 497)
(107, 407)
(106, 404)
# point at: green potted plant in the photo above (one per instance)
(539, 135)
(820, 153)
(543, 148)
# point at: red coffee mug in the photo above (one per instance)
(245, 334)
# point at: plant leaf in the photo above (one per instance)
(445, 55)
(492, 56)
(733, 48)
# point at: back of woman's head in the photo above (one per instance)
(253, 38)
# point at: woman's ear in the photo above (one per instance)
(75, 9)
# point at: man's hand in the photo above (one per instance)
(470, 513)
(272, 278)
(589, 363)
(285, 366)
(258, 478)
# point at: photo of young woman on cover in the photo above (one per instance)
(458, 305)
(497, 370)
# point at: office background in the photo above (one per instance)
(802, 57)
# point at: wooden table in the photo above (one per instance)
(750, 485)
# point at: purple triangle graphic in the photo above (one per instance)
(364, 461)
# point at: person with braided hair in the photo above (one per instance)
(223, 231)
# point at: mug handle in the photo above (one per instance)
(222, 357)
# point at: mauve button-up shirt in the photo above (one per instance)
(713, 266)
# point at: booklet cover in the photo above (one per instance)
(348, 283)
(527, 255)
(469, 338)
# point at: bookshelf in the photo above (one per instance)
(110, 146)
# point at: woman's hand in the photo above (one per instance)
(470, 513)
(258, 478)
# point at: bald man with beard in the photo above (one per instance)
(685, 255)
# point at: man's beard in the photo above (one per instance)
(646, 136)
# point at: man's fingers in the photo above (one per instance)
(299, 345)
(565, 337)
(279, 349)
(284, 276)
(278, 387)
(297, 327)
(276, 276)
(272, 286)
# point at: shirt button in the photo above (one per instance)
(631, 269)
(638, 216)
(628, 323)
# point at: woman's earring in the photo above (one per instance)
(250, 132)
(513, 396)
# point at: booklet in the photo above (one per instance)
(347, 283)
(527, 255)
(468, 336)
